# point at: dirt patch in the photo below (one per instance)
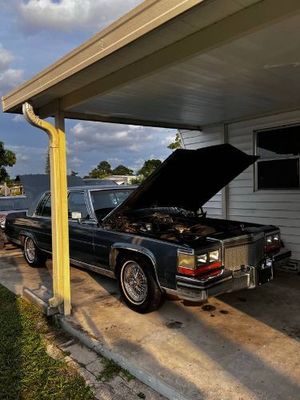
(174, 324)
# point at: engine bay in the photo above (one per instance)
(177, 225)
(171, 226)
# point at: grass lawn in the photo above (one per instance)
(26, 370)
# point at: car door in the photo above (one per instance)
(103, 202)
(81, 228)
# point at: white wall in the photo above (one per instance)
(275, 207)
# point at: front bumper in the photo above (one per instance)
(281, 258)
(195, 289)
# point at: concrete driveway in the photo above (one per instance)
(239, 346)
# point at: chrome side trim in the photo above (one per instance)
(94, 268)
(16, 241)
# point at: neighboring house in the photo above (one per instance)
(122, 179)
(269, 192)
(16, 190)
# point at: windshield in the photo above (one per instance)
(104, 201)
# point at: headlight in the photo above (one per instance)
(269, 239)
(214, 256)
(202, 259)
(186, 261)
(208, 264)
(272, 242)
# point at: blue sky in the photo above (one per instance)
(34, 34)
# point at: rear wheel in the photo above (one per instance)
(138, 286)
(33, 256)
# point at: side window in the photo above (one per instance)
(77, 204)
(279, 164)
(46, 212)
(44, 207)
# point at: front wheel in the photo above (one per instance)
(33, 256)
(138, 286)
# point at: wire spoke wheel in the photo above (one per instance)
(32, 254)
(30, 250)
(134, 282)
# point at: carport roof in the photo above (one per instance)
(177, 63)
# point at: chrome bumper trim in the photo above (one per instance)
(193, 289)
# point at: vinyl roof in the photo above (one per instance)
(177, 63)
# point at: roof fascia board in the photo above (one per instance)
(129, 121)
(141, 20)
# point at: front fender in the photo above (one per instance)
(24, 233)
(117, 247)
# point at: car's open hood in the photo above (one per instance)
(188, 179)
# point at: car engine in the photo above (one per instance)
(167, 226)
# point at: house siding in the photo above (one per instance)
(270, 207)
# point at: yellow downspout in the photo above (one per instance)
(59, 211)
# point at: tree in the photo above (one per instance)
(94, 174)
(149, 167)
(7, 159)
(73, 173)
(102, 170)
(137, 180)
(176, 144)
(122, 170)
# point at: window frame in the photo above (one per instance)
(41, 204)
(86, 200)
(283, 157)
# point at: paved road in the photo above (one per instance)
(240, 346)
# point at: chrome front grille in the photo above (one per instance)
(247, 251)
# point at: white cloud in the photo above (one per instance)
(9, 77)
(6, 58)
(18, 118)
(69, 15)
(26, 152)
(30, 159)
(94, 135)
(168, 139)
(118, 144)
(74, 162)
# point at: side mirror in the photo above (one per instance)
(76, 215)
